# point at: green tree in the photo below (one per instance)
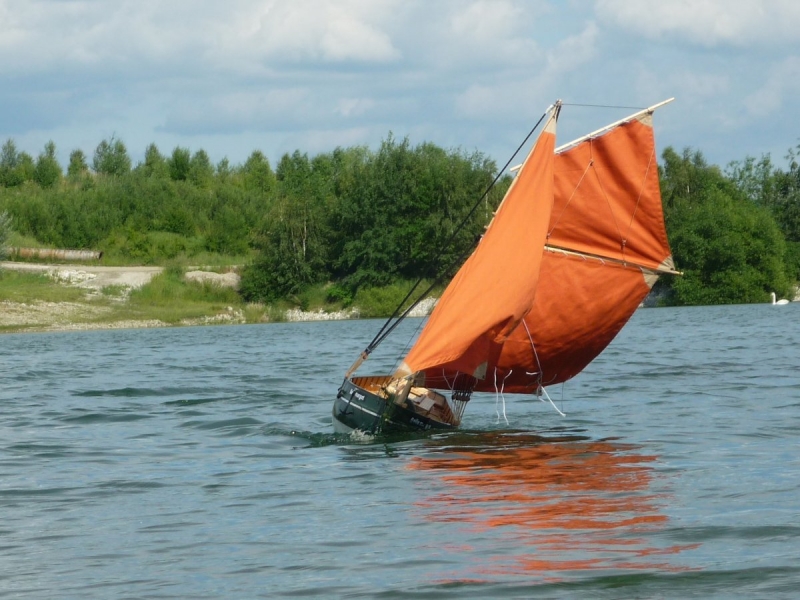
(779, 192)
(257, 173)
(78, 168)
(111, 158)
(48, 171)
(229, 232)
(26, 167)
(730, 249)
(292, 243)
(201, 171)
(15, 167)
(155, 165)
(756, 179)
(9, 159)
(399, 210)
(788, 209)
(224, 171)
(179, 164)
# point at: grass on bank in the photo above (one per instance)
(171, 299)
(19, 286)
(167, 298)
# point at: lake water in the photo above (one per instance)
(201, 463)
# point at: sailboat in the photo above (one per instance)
(571, 252)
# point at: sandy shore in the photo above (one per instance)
(77, 316)
(90, 276)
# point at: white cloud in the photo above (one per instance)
(240, 110)
(43, 34)
(484, 20)
(574, 51)
(783, 79)
(525, 94)
(456, 72)
(354, 107)
(327, 30)
(491, 32)
(706, 22)
(691, 87)
(62, 35)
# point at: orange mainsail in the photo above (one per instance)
(535, 304)
(482, 305)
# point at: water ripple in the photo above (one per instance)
(201, 462)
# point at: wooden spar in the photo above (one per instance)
(612, 125)
(603, 129)
(617, 261)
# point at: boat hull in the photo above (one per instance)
(356, 408)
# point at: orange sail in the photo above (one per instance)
(585, 306)
(534, 305)
(607, 197)
(606, 245)
(483, 305)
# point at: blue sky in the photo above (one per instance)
(280, 75)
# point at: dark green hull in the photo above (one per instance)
(358, 409)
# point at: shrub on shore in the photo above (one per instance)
(5, 234)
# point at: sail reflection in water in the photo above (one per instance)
(558, 504)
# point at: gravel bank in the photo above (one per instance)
(77, 316)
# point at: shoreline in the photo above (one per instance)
(86, 314)
(41, 317)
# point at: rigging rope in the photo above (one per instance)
(397, 316)
(603, 106)
(541, 391)
(499, 395)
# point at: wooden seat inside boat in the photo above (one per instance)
(375, 384)
(423, 398)
(431, 404)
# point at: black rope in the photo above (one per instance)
(382, 336)
(386, 329)
(604, 106)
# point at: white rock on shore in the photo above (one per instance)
(295, 315)
(230, 279)
(423, 309)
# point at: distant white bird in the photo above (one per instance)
(779, 302)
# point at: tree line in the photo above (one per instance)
(357, 218)
(735, 233)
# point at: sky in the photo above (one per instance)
(283, 75)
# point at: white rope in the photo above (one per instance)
(541, 391)
(449, 385)
(499, 396)
(535, 354)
